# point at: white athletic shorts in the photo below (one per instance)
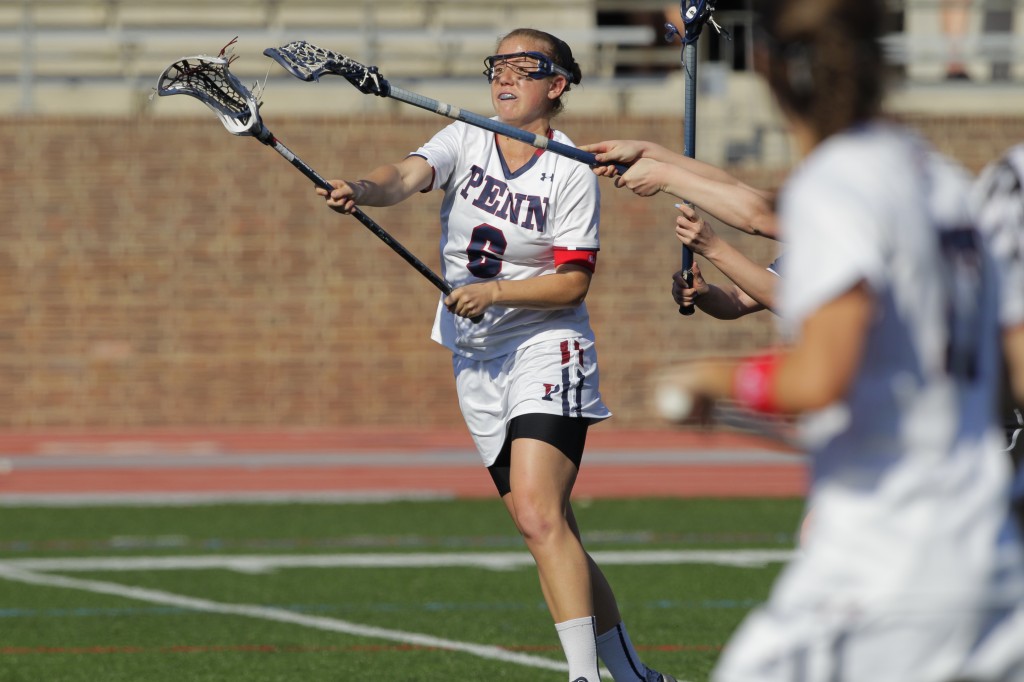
(548, 377)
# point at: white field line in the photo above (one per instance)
(24, 571)
(280, 616)
(499, 561)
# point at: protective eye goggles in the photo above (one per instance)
(535, 65)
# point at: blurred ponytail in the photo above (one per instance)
(825, 63)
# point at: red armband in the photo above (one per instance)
(754, 382)
(582, 257)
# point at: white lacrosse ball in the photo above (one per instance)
(674, 403)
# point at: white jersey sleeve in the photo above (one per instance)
(835, 234)
(442, 152)
(575, 217)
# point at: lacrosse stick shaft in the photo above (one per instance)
(209, 80)
(532, 139)
(729, 414)
(268, 139)
(689, 148)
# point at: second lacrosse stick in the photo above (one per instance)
(308, 62)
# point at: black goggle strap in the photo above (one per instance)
(545, 67)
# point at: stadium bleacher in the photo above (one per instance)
(103, 57)
(128, 40)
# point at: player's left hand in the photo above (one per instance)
(471, 300)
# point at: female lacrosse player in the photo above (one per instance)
(911, 567)
(519, 240)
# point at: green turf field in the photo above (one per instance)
(400, 592)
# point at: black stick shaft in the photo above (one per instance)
(366, 220)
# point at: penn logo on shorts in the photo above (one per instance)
(550, 390)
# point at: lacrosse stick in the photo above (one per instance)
(209, 80)
(308, 62)
(695, 13)
(681, 407)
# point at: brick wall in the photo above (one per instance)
(161, 273)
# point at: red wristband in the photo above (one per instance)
(754, 382)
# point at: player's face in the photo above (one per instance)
(517, 98)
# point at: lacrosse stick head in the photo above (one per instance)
(308, 62)
(209, 80)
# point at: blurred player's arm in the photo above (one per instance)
(815, 372)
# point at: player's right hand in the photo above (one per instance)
(342, 198)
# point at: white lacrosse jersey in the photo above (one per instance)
(998, 202)
(496, 224)
(909, 489)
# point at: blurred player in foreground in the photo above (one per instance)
(519, 242)
(999, 209)
(654, 169)
(911, 567)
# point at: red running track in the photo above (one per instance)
(618, 464)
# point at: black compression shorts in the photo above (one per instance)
(568, 434)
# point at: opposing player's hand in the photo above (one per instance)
(471, 300)
(687, 295)
(643, 178)
(694, 232)
(613, 152)
(342, 198)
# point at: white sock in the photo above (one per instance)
(617, 653)
(580, 646)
